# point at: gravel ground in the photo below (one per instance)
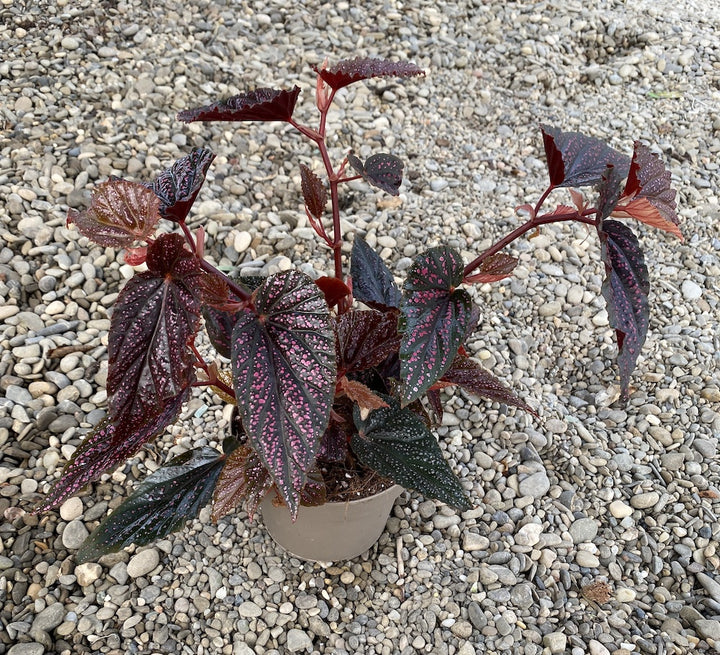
(595, 528)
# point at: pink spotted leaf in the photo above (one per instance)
(257, 105)
(625, 290)
(574, 159)
(382, 170)
(435, 319)
(283, 362)
(365, 338)
(155, 317)
(348, 71)
(120, 213)
(647, 196)
(101, 451)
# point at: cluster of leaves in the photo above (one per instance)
(337, 369)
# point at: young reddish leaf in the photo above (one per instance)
(578, 200)
(647, 196)
(161, 504)
(397, 444)
(365, 339)
(381, 170)
(494, 268)
(349, 71)
(333, 288)
(283, 360)
(135, 256)
(243, 478)
(372, 281)
(361, 395)
(101, 451)
(472, 377)
(625, 289)
(155, 317)
(577, 160)
(120, 213)
(314, 192)
(435, 319)
(258, 105)
(178, 186)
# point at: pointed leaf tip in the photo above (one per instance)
(648, 196)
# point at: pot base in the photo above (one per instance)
(333, 531)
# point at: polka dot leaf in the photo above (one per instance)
(396, 443)
(435, 318)
(283, 362)
(161, 504)
(258, 105)
(625, 289)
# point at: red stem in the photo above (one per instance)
(234, 286)
(545, 219)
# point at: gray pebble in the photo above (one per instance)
(74, 534)
(143, 562)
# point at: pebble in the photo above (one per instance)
(473, 542)
(556, 642)
(586, 559)
(620, 510)
(535, 485)
(87, 573)
(49, 618)
(74, 534)
(298, 640)
(584, 530)
(143, 563)
(710, 585)
(691, 291)
(71, 509)
(645, 500)
(528, 534)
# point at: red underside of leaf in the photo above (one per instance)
(242, 479)
(120, 213)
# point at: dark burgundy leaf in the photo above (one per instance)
(494, 268)
(381, 170)
(365, 339)
(101, 451)
(314, 192)
(578, 160)
(472, 377)
(161, 504)
(258, 105)
(625, 289)
(372, 281)
(609, 191)
(433, 396)
(435, 319)
(647, 196)
(397, 444)
(155, 317)
(283, 360)
(314, 493)
(178, 186)
(243, 478)
(334, 442)
(333, 288)
(349, 71)
(120, 213)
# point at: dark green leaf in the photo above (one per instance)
(161, 504)
(397, 444)
(435, 319)
(373, 283)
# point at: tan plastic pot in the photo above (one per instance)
(333, 531)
